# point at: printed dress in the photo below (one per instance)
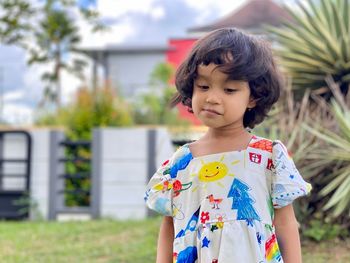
(223, 204)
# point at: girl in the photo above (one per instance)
(227, 197)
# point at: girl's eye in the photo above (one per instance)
(203, 87)
(230, 90)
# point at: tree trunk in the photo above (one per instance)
(58, 78)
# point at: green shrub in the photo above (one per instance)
(153, 107)
(319, 154)
(89, 110)
(321, 231)
(334, 156)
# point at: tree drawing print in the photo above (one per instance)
(242, 202)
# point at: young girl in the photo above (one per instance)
(227, 197)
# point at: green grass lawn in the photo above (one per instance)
(110, 241)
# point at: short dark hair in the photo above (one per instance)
(242, 57)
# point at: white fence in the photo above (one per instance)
(123, 161)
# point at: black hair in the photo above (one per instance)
(240, 56)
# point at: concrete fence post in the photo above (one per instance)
(56, 183)
(96, 171)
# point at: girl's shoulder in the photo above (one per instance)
(182, 152)
(276, 148)
(261, 143)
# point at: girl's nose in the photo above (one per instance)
(212, 98)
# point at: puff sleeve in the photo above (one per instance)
(164, 184)
(287, 183)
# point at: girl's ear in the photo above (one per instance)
(252, 103)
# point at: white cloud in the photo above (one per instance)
(223, 7)
(108, 8)
(123, 27)
(157, 13)
(19, 104)
(69, 87)
(12, 96)
(116, 34)
(32, 85)
(16, 113)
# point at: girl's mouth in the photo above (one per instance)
(212, 111)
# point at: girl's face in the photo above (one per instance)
(218, 101)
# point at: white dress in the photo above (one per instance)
(223, 204)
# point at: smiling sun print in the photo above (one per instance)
(213, 172)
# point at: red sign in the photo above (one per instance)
(255, 157)
(269, 164)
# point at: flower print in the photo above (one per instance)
(204, 217)
(220, 224)
(162, 186)
(177, 185)
(166, 186)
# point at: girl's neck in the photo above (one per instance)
(226, 133)
(223, 140)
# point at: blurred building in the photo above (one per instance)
(251, 17)
(128, 68)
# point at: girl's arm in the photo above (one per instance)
(287, 234)
(165, 241)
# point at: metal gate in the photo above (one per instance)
(15, 167)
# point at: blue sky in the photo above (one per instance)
(131, 21)
(87, 3)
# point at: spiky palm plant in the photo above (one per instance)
(335, 154)
(316, 44)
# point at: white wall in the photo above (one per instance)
(124, 170)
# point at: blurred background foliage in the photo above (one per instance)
(48, 31)
(314, 133)
(104, 107)
(312, 116)
(316, 44)
(89, 110)
(153, 106)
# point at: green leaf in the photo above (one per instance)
(339, 178)
(340, 193)
(317, 44)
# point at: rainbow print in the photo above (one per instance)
(272, 249)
